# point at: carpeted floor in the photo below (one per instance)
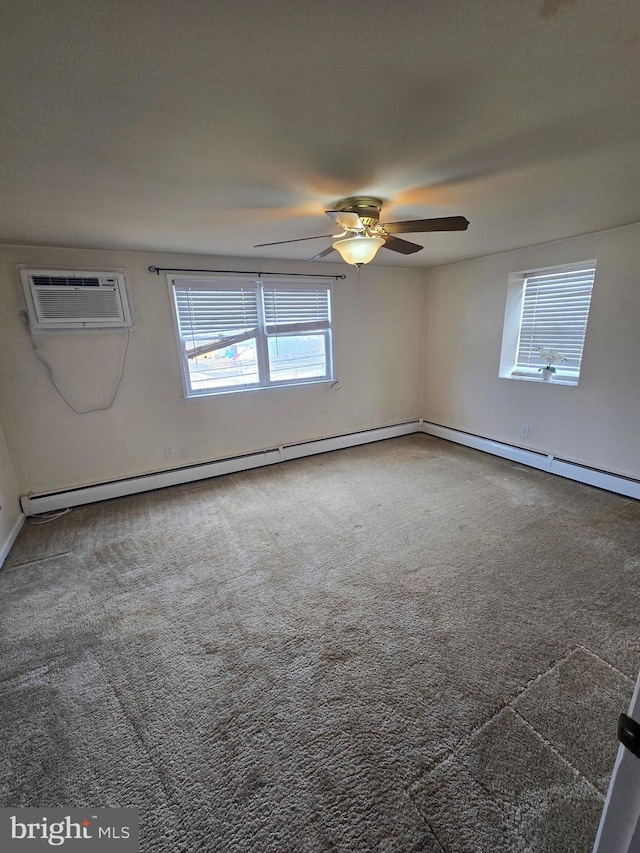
(406, 646)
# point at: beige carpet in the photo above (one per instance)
(407, 646)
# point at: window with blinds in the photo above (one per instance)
(297, 323)
(555, 310)
(236, 336)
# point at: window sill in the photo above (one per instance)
(572, 383)
(226, 391)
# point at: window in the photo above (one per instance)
(239, 335)
(547, 308)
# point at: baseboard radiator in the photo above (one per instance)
(543, 461)
(34, 504)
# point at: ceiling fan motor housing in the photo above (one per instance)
(367, 208)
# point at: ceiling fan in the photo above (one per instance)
(362, 234)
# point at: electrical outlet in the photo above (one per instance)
(356, 417)
(524, 430)
(169, 451)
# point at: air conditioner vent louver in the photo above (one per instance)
(64, 281)
(67, 300)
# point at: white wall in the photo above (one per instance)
(10, 513)
(377, 340)
(596, 423)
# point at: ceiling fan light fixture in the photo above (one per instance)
(360, 249)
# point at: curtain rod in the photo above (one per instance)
(158, 270)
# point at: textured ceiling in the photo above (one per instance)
(210, 126)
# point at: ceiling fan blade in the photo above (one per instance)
(345, 219)
(402, 246)
(415, 226)
(298, 240)
(322, 254)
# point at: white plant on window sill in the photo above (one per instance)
(551, 357)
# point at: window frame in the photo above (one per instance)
(262, 337)
(512, 328)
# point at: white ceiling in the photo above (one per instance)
(209, 125)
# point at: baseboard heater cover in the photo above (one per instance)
(543, 461)
(35, 504)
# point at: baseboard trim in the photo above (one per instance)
(544, 462)
(34, 504)
(13, 535)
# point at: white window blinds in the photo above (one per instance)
(555, 310)
(209, 319)
(288, 310)
(240, 335)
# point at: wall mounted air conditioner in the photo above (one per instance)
(68, 299)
